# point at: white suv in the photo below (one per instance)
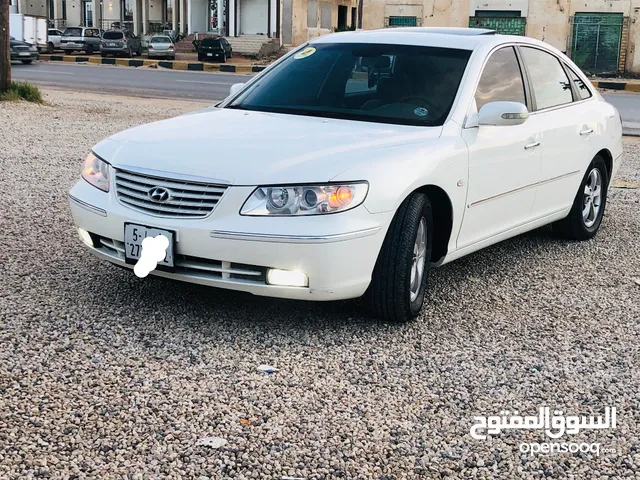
(355, 163)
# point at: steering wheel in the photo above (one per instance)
(418, 100)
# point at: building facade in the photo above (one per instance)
(601, 36)
(288, 22)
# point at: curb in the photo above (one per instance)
(629, 87)
(171, 64)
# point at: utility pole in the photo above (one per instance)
(5, 57)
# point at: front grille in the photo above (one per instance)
(194, 267)
(186, 199)
(21, 48)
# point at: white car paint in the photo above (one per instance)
(495, 187)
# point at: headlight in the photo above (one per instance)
(33, 49)
(96, 172)
(305, 199)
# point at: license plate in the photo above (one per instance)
(209, 54)
(133, 236)
(24, 54)
(112, 44)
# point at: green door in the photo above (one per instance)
(595, 46)
(505, 22)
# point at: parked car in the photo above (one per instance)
(22, 51)
(357, 184)
(214, 48)
(172, 34)
(54, 38)
(84, 39)
(120, 42)
(161, 47)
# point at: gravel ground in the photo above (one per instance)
(104, 375)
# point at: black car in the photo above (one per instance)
(23, 51)
(214, 48)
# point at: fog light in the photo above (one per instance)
(85, 237)
(287, 278)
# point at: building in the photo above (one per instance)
(285, 22)
(599, 35)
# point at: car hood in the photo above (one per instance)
(252, 148)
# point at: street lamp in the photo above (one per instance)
(101, 15)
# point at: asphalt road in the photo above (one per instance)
(194, 85)
(141, 82)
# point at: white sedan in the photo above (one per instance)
(357, 162)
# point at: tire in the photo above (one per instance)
(50, 47)
(68, 52)
(231, 54)
(26, 62)
(200, 58)
(89, 50)
(393, 293)
(224, 58)
(129, 53)
(103, 55)
(579, 225)
(139, 52)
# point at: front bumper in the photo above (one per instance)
(25, 56)
(337, 252)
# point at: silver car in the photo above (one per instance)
(86, 39)
(120, 42)
(161, 46)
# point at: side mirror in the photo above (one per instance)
(235, 88)
(503, 114)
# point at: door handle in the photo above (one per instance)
(532, 145)
(588, 131)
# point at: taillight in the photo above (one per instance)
(122, 40)
(170, 47)
(150, 47)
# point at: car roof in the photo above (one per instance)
(451, 37)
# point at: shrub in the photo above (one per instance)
(22, 90)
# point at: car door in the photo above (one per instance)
(568, 125)
(504, 161)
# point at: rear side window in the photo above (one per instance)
(583, 90)
(112, 35)
(73, 32)
(550, 84)
(501, 80)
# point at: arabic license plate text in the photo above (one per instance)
(135, 234)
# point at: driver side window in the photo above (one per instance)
(501, 80)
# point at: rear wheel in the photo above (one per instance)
(129, 53)
(224, 57)
(585, 217)
(89, 50)
(399, 277)
(50, 47)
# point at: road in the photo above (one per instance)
(141, 82)
(194, 85)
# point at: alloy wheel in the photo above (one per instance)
(592, 198)
(418, 261)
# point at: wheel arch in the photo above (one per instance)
(608, 160)
(442, 209)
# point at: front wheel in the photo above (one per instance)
(585, 217)
(399, 278)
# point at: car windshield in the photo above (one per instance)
(402, 84)
(113, 35)
(73, 32)
(211, 42)
(160, 40)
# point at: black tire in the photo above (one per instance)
(129, 53)
(389, 294)
(199, 58)
(139, 52)
(26, 62)
(231, 54)
(89, 50)
(224, 58)
(574, 226)
(50, 47)
(103, 55)
(68, 52)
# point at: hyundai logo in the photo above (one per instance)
(159, 194)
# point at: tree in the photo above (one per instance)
(5, 56)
